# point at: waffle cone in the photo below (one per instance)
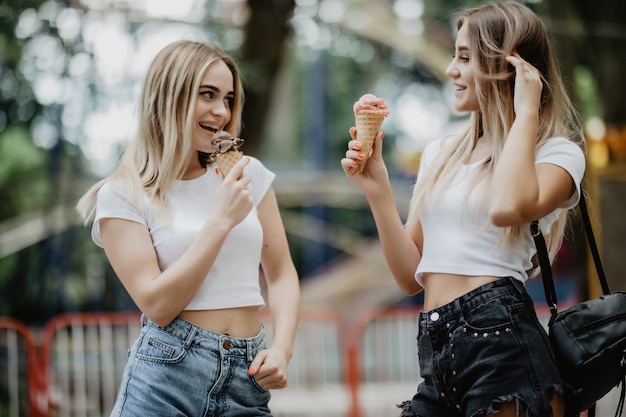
(227, 160)
(367, 124)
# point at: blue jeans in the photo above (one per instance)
(184, 370)
(482, 350)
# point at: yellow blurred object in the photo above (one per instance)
(598, 153)
(616, 139)
(408, 162)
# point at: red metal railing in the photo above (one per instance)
(72, 350)
(19, 341)
(69, 373)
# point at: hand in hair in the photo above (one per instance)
(528, 86)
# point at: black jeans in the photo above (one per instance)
(484, 349)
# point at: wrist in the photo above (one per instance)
(379, 192)
(286, 351)
(218, 225)
(527, 116)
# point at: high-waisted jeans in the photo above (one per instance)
(482, 350)
(184, 370)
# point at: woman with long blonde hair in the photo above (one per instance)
(466, 242)
(188, 244)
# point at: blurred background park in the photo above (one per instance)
(69, 77)
(70, 71)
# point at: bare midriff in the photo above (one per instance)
(240, 322)
(441, 289)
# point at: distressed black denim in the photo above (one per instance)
(484, 349)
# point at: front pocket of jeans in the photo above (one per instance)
(162, 351)
(256, 384)
(490, 316)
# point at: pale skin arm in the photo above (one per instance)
(522, 191)
(270, 365)
(401, 246)
(163, 295)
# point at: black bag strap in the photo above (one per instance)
(544, 265)
(592, 245)
(544, 260)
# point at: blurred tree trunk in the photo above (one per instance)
(266, 34)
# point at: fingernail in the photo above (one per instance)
(251, 371)
(383, 135)
(361, 155)
(355, 163)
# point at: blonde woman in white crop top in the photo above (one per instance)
(466, 242)
(189, 245)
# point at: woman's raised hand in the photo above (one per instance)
(528, 85)
(233, 197)
(375, 171)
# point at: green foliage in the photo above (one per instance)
(24, 181)
(32, 180)
(19, 155)
(588, 100)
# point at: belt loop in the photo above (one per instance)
(190, 336)
(519, 286)
(460, 313)
(249, 350)
(253, 344)
(458, 306)
(143, 320)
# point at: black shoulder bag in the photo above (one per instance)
(589, 338)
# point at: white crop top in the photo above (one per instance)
(233, 281)
(458, 236)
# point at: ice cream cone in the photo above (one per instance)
(367, 124)
(227, 160)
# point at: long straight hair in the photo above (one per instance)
(162, 147)
(495, 30)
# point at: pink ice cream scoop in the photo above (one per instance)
(371, 102)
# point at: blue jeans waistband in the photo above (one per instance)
(191, 334)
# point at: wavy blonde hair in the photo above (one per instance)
(159, 153)
(495, 30)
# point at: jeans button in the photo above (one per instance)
(434, 316)
(226, 345)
